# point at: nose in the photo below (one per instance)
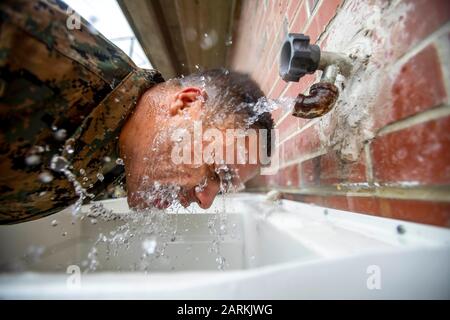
(206, 196)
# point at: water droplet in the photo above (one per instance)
(45, 177)
(58, 163)
(69, 149)
(149, 245)
(220, 262)
(64, 234)
(119, 161)
(223, 228)
(60, 134)
(54, 223)
(93, 221)
(106, 159)
(92, 29)
(197, 67)
(37, 149)
(34, 253)
(209, 40)
(229, 41)
(33, 160)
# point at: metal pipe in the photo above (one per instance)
(343, 62)
(297, 58)
(330, 73)
(321, 99)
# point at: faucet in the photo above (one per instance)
(297, 58)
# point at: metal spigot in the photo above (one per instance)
(297, 58)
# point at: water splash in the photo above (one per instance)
(154, 229)
(45, 176)
(60, 164)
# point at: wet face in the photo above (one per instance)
(158, 144)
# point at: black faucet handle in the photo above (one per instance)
(298, 57)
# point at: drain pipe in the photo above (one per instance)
(297, 58)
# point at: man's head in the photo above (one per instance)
(178, 143)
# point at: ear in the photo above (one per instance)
(184, 98)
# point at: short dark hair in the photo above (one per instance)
(234, 92)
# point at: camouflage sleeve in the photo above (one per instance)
(64, 91)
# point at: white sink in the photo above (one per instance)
(272, 250)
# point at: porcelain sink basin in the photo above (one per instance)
(266, 249)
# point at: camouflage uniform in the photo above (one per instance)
(54, 78)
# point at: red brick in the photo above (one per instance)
(329, 169)
(307, 141)
(334, 170)
(270, 78)
(277, 114)
(288, 126)
(281, 7)
(418, 86)
(299, 21)
(367, 205)
(302, 122)
(427, 212)
(303, 143)
(419, 153)
(271, 59)
(337, 202)
(310, 199)
(295, 88)
(257, 182)
(310, 172)
(325, 13)
(289, 176)
(294, 5)
(278, 89)
(423, 18)
(414, 154)
(312, 4)
(435, 213)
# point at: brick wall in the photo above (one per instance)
(385, 148)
